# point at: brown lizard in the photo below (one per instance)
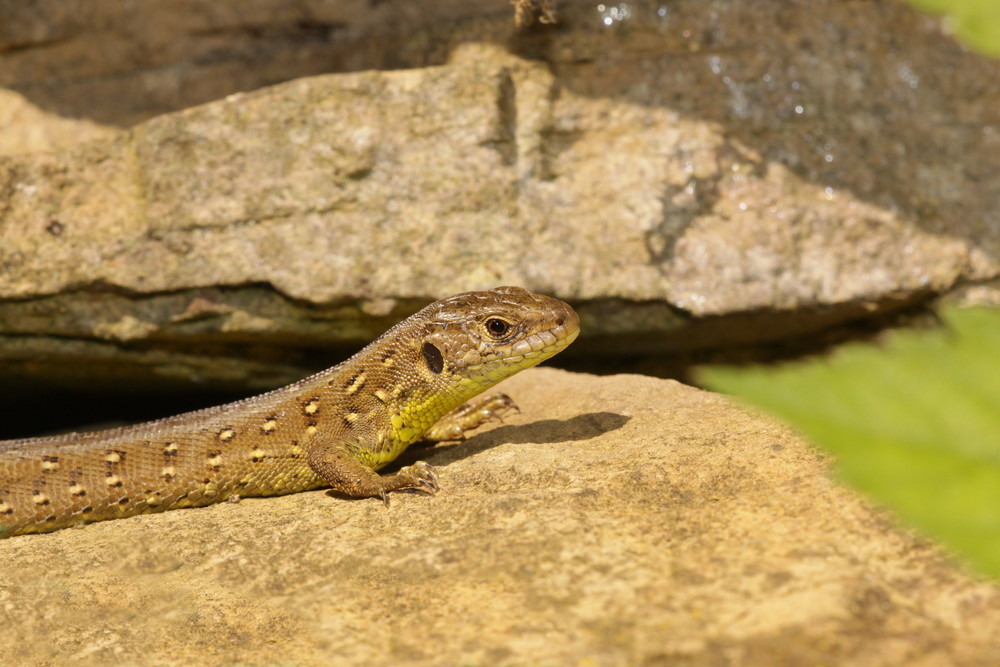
(335, 428)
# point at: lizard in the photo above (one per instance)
(421, 379)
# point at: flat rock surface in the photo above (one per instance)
(622, 520)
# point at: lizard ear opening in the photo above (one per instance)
(432, 355)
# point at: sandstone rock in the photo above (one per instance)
(616, 521)
(26, 128)
(123, 61)
(690, 175)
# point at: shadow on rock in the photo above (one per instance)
(546, 431)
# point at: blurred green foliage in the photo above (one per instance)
(915, 424)
(975, 22)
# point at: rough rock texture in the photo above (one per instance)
(616, 521)
(27, 128)
(122, 61)
(658, 165)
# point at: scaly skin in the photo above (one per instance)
(336, 428)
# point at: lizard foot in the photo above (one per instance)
(470, 415)
(420, 476)
(342, 470)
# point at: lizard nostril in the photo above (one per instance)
(559, 321)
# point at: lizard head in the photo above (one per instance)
(452, 350)
(477, 339)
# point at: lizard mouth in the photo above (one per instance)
(542, 345)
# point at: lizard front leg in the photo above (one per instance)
(340, 465)
(468, 416)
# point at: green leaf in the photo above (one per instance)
(915, 424)
(975, 22)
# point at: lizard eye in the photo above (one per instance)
(497, 327)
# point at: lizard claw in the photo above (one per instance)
(420, 475)
(507, 403)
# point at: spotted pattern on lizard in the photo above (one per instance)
(336, 428)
